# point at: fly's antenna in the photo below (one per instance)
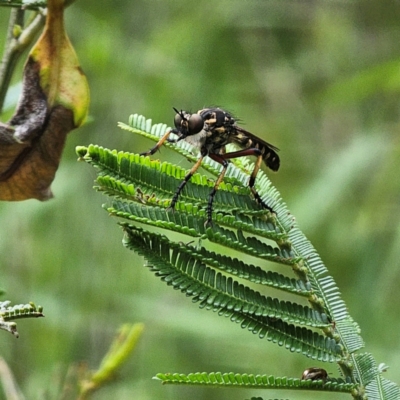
(180, 113)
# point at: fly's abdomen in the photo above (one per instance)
(248, 141)
(270, 158)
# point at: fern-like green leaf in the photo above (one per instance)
(19, 311)
(249, 245)
(345, 329)
(249, 272)
(160, 217)
(382, 389)
(263, 316)
(218, 379)
(294, 338)
(212, 288)
(10, 313)
(141, 189)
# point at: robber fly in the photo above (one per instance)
(210, 130)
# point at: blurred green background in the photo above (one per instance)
(318, 79)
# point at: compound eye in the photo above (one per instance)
(178, 121)
(196, 124)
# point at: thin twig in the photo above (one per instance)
(15, 46)
(9, 60)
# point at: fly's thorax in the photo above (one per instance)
(217, 119)
(198, 140)
(217, 136)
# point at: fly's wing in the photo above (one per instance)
(247, 140)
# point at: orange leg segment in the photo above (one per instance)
(158, 145)
(242, 153)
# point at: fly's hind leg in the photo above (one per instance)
(251, 152)
(252, 181)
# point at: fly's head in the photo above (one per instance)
(187, 124)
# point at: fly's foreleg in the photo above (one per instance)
(158, 145)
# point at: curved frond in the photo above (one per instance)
(122, 172)
(324, 287)
(382, 389)
(246, 271)
(142, 189)
(19, 311)
(345, 329)
(10, 313)
(366, 369)
(159, 217)
(331, 295)
(251, 245)
(294, 338)
(218, 379)
(192, 223)
(212, 289)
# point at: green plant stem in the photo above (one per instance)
(122, 346)
(15, 46)
(10, 56)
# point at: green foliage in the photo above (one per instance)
(8, 314)
(79, 382)
(267, 62)
(255, 381)
(141, 190)
(121, 348)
